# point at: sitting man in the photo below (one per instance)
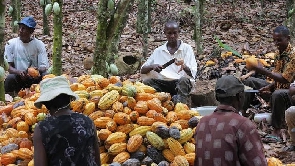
(225, 137)
(290, 119)
(175, 78)
(282, 76)
(21, 53)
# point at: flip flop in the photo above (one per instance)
(271, 139)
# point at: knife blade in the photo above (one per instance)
(168, 63)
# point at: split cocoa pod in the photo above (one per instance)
(251, 62)
(33, 72)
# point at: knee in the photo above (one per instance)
(184, 80)
(290, 113)
(147, 81)
(9, 78)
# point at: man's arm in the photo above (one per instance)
(146, 69)
(12, 70)
(42, 57)
(250, 148)
(278, 77)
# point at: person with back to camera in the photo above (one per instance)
(282, 75)
(21, 53)
(225, 137)
(176, 78)
(65, 137)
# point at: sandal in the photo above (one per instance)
(289, 148)
(271, 139)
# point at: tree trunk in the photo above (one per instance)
(99, 57)
(57, 40)
(115, 28)
(46, 30)
(143, 24)
(198, 29)
(108, 33)
(290, 21)
(16, 5)
(2, 35)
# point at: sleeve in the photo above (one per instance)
(288, 72)
(251, 151)
(191, 61)
(8, 55)
(42, 55)
(150, 60)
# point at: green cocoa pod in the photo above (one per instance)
(56, 8)
(10, 10)
(42, 2)
(114, 69)
(48, 9)
(2, 74)
(6, 65)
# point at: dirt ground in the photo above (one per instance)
(250, 26)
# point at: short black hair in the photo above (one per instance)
(171, 22)
(282, 30)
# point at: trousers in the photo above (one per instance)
(279, 101)
(179, 89)
(13, 83)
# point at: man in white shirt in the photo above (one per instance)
(176, 78)
(21, 53)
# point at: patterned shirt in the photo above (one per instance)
(285, 64)
(226, 138)
(69, 140)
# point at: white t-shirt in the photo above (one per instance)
(25, 54)
(161, 55)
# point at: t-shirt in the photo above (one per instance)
(161, 55)
(25, 54)
(226, 138)
(69, 140)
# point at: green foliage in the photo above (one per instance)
(227, 47)
(48, 9)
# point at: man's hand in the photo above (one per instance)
(23, 74)
(156, 67)
(265, 90)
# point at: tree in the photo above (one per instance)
(2, 34)
(112, 18)
(143, 26)
(199, 8)
(46, 30)
(57, 37)
(16, 11)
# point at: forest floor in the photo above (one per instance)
(250, 28)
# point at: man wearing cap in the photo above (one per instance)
(21, 53)
(225, 137)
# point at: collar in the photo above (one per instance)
(179, 48)
(225, 108)
(285, 53)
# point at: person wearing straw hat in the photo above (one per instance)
(225, 137)
(64, 137)
(21, 53)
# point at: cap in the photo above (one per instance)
(228, 85)
(28, 21)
